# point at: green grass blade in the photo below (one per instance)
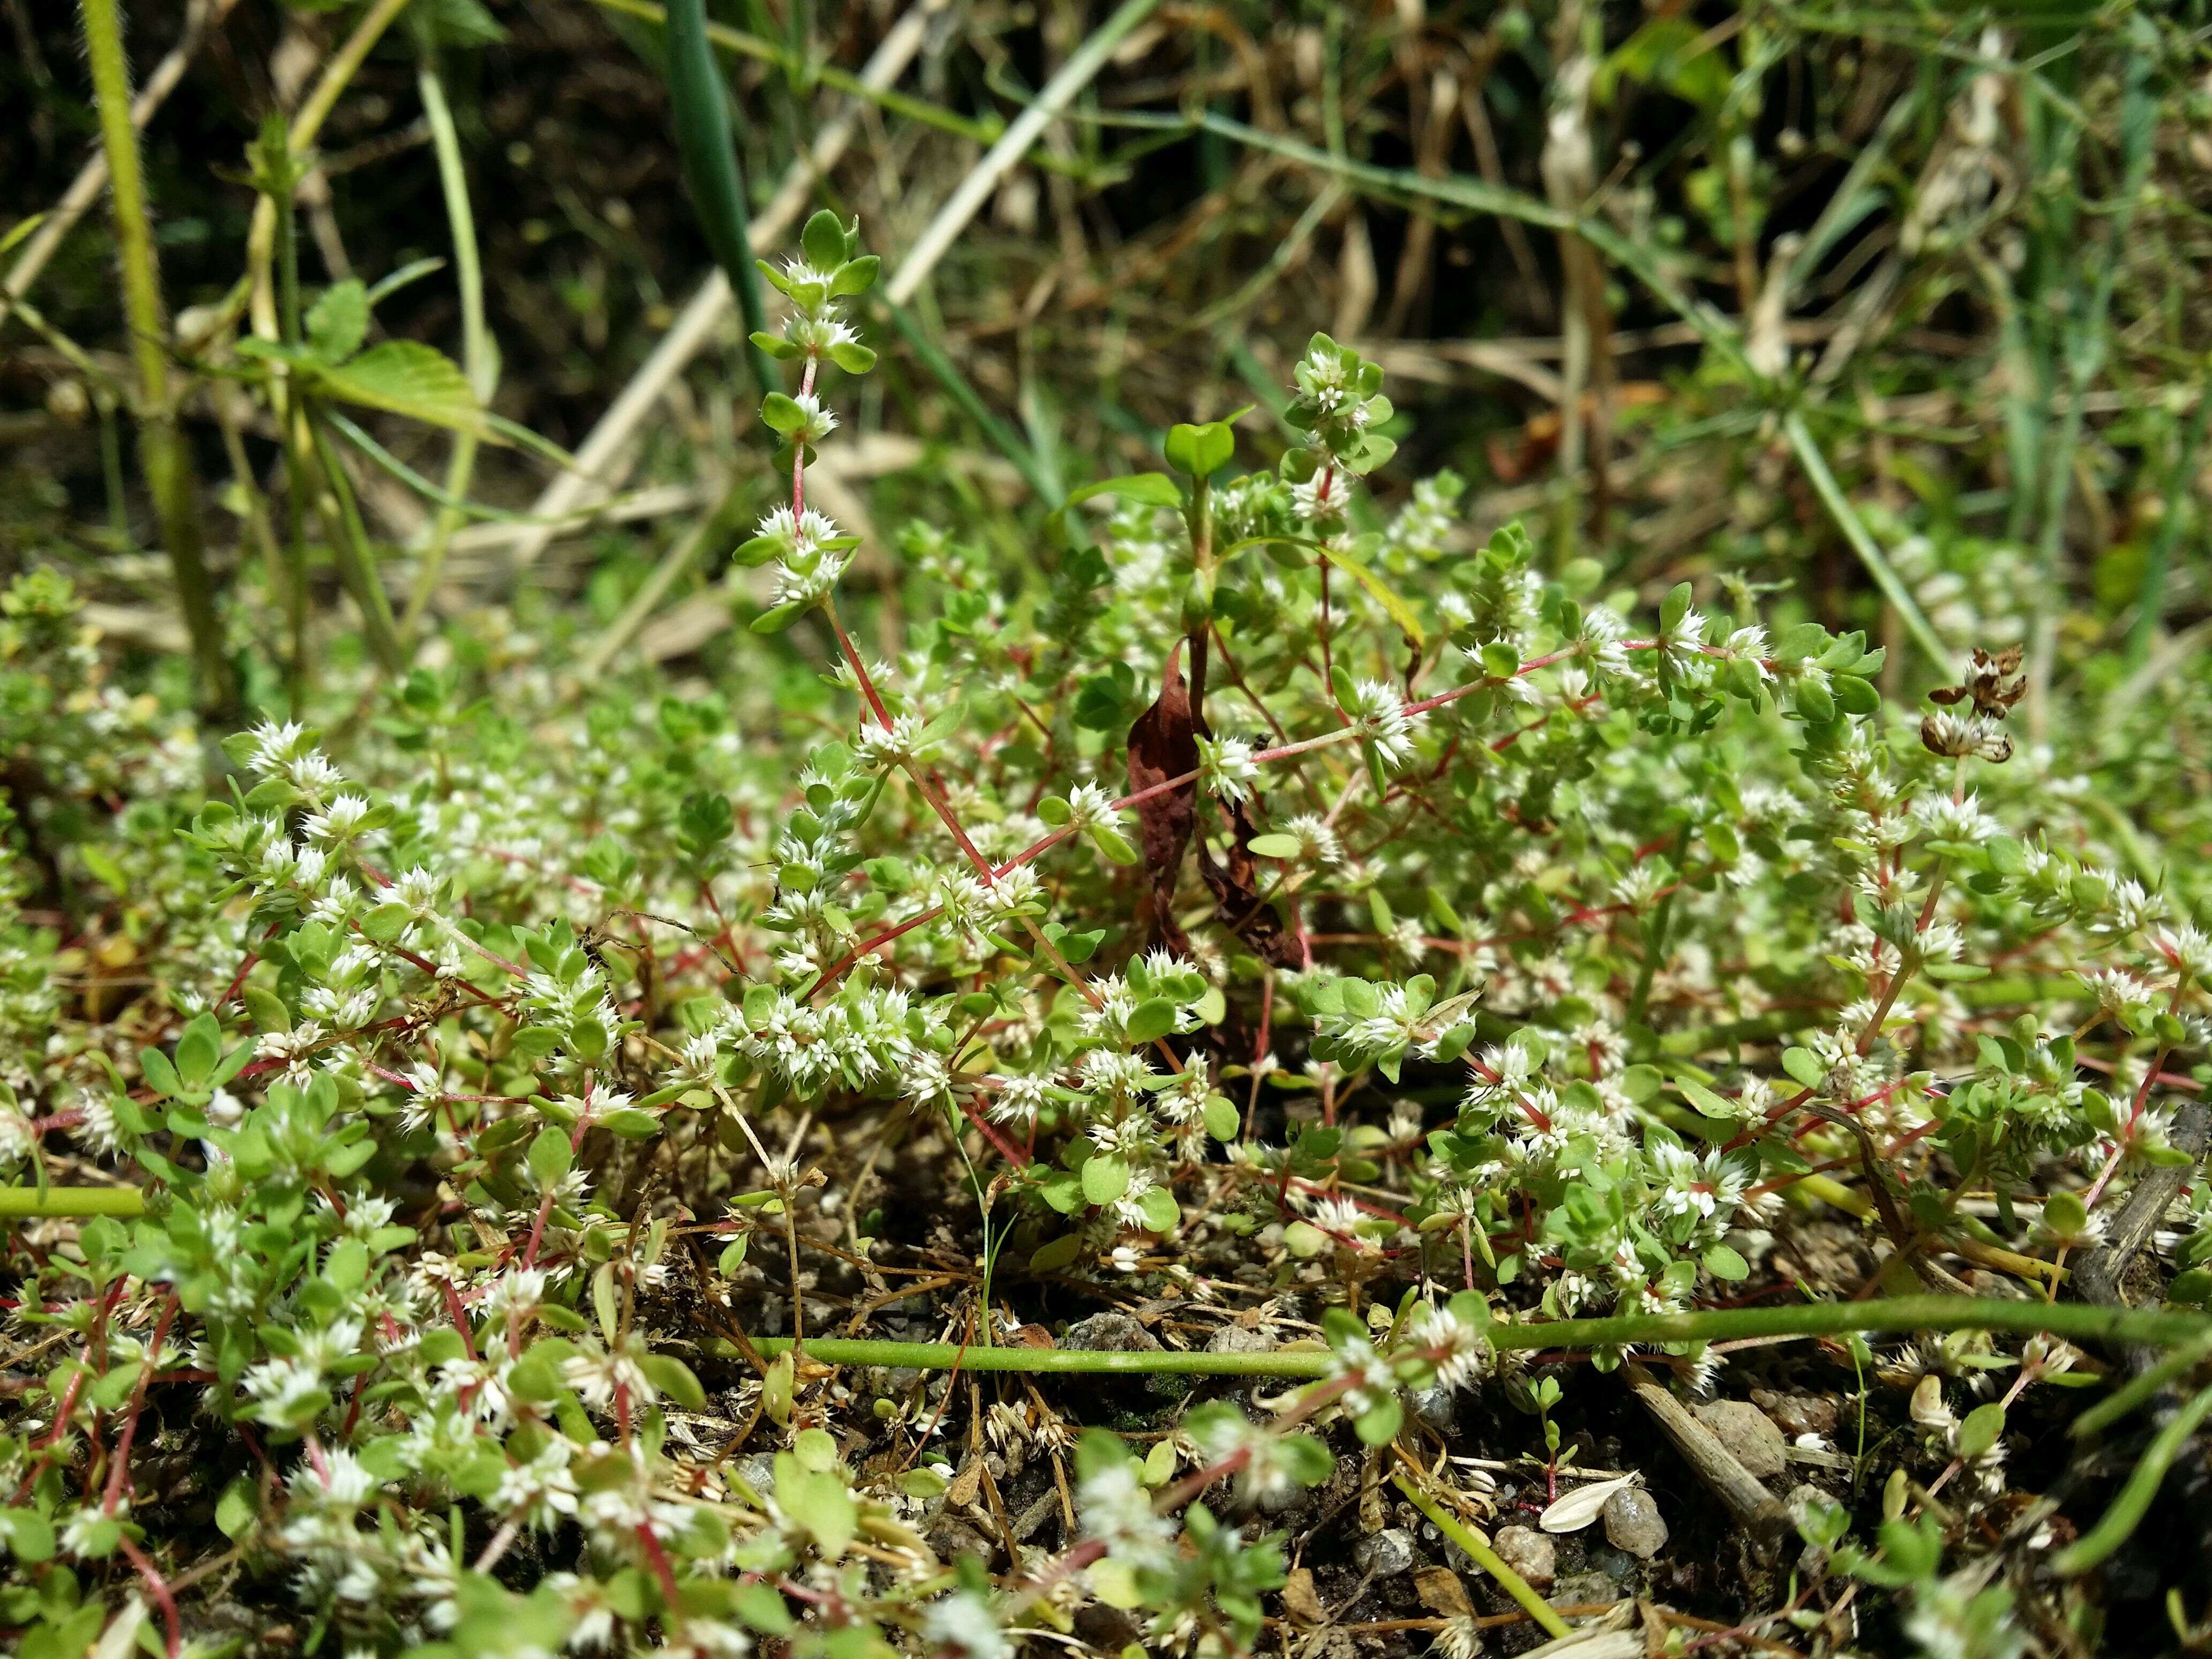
(1003, 437)
(479, 358)
(1863, 542)
(701, 101)
(357, 558)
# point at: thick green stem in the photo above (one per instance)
(2073, 1321)
(2129, 1508)
(25, 1203)
(163, 454)
(1485, 1557)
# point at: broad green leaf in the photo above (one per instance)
(1152, 489)
(550, 1156)
(1151, 1019)
(1104, 1179)
(235, 1511)
(674, 1379)
(1161, 1211)
(405, 377)
(339, 321)
(1222, 1119)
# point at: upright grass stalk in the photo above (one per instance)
(300, 138)
(2086, 345)
(700, 99)
(479, 361)
(356, 556)
(1863, 542)
(881, 94)
(277, 176)
(163, 455)
(2150, 592)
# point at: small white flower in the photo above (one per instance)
(1227, 769)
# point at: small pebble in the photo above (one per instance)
(1235, 1338)
(759, 1473)
(1632, 1523)
(1587, 1589)
(1115, 1333)
(1387, 1554)
(1798, 1414)
(1528, 1552)
(1748, 1433)
(1436, 1408)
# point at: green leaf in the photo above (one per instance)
(1954, 972)
(1378, 1424)
(674, 1379)
(1160, 1462)
(1112, 843)
(387, 922)
(1726, 1264)
(198, 1050)
(855, 276)
(783, 415)
(2065, 1214)
(1152, 1019)
(347, 1267)
(1162, 1213)
(1104, 1179)
(237, 1509)
(628, 1123)
(1705, 1099)
(550, 1156)
(1152, 489)
(1061, 1252)
(821, 1503)
(822, 241)
(761, 1606)
(114, 1388)
(1275, 845)
(104, 868)
(29, 1535)
(1804, 1067)
(1222, 1120)
(339, 321)
(407, 378)
(161, 1076)
(266, 1008)
(815, 1450)
(1200, 452)
(1981, 1429)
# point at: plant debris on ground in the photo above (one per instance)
(959, 829)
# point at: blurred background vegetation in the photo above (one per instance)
(1608, 254)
